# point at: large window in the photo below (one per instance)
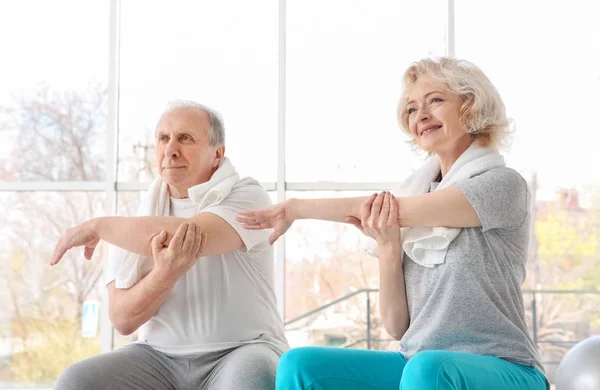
(326, 261)
(345, 62)
(549, 77)
(42, 306)
(219, 53)
(53, 96)
(84, 83)
(53, 108)
(547, 69)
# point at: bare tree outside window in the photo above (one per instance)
(57, 136)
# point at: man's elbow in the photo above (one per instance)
(122, 324)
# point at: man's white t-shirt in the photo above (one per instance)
(223, 301)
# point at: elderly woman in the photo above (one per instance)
(451, 241)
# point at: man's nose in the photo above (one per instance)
(172, 149)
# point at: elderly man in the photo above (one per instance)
(194, 284)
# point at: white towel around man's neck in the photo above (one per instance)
(155, 202)
(428, 246)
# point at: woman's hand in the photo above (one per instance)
(276, 217)
(379, 219)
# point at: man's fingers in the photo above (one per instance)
(158, 242)
(197, 242)
(59, 252)
(177, 241)
(88, 252)
(190, 238)
(200, 243)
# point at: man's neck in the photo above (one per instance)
(178, 193)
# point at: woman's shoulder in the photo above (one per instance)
(505, 175)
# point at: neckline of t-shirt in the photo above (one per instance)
(180, 204)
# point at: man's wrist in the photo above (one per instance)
(160, 280)
(96, 225)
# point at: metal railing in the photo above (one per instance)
(534, 317)
(343, 298)
(368, 339)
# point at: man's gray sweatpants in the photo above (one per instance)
(139, 366)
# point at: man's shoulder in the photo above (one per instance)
(250, 185)
(249, 194)
(247, 182)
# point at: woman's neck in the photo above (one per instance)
(447, 159)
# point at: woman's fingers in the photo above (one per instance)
(246, 218)
(376, 207)
(253, 216)
(356, 222)
(273, 237)
(385, 208)
(393, 208)
(365, 208)
(254, 226)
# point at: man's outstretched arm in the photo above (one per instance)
(135, 234)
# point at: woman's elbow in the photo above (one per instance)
(396, 329)
(395, 333)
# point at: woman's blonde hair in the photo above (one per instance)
(482, 114)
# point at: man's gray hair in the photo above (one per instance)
(216, 132)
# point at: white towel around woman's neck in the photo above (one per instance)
(155, 202)
(428, 246)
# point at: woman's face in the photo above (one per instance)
(434, 118)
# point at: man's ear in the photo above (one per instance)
(219, 154)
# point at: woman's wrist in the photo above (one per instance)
(390, 248)
(292, 209)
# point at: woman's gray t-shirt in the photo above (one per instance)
(473, 301)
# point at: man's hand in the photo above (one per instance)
(276, 217)
(174, 261)
(81, 235)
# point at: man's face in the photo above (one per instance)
(184, 156)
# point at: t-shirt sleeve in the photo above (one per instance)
(112, 265)
(244, 197)
(500, 198)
